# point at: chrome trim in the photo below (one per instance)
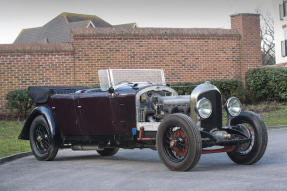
(175, 100)
(200, 89)
(197, 106)
(228, 102)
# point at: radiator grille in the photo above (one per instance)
(215, 119)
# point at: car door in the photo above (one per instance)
(64, 109)
(94, 113)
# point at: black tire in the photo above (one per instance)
(108, 151)
(42, 144)
(186, 150)
(258, 144)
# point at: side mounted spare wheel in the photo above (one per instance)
(178, 142)
(41, 141)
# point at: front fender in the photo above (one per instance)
(47, 113)
(247, 116)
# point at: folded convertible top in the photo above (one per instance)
(40, 94)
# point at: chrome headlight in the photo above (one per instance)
(203, 108)
(233, 106)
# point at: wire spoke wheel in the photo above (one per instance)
(41, 141)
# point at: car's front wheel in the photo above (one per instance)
(178, 142)
(251, 152)
(42, 144)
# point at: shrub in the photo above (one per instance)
(184, 88)
(227, 88)
(230, 88)
(20, 101)
(267, 84)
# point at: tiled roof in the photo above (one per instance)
(74, 17)
(118, 31)
(58, 29)
(57, 32)
(128, 25)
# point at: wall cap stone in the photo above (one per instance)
(154, 32)
(245, 14)
(36, 48)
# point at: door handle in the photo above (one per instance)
(79, 106)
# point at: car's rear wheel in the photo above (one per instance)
(42, 144)
(178, 142)
(108, 151)
(251, 152)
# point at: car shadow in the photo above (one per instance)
(108, 158)
(212, 162)
(78, 158)
(205, 164)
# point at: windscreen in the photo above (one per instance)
(113, 77)
(104, 79)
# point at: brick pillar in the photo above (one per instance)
(248, 25)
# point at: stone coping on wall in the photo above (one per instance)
(157, 32)
(245, 14)
(36, 48)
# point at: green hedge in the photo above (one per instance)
(267, 84)
(227, 88)
(20, 101)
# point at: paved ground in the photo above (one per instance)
(142, 170)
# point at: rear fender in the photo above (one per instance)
(47, 113)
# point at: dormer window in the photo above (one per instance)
(91, 25)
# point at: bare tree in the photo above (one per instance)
(267, 38)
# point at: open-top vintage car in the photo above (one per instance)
(134, 108)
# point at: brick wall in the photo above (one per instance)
(34, 64)
(184, 54)
(184, 58)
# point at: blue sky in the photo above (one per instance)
(18, 14)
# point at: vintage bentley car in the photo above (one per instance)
(135, 108)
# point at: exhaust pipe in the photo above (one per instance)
(86, 147)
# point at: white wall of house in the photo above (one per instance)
(280, 30)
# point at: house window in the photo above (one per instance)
(284, 44)
(283, 10)
(284, 48)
